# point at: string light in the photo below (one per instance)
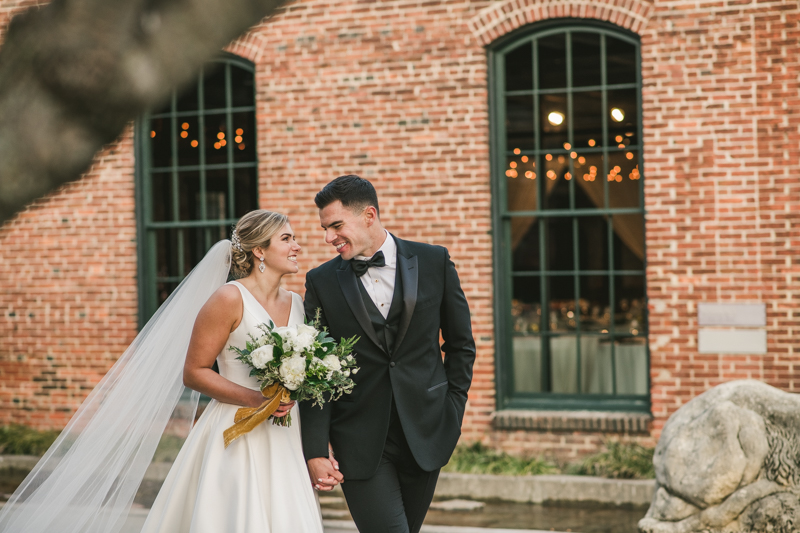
(592, 142)
(194, 144)
(629, 155)
(567, 146)
(220, 135)
(152, 134)
(239, 131)
(551, 174)
(223, 142)
(241, 146)
(549, 157)
(573, 155)
(555, 118)
(567, 176)
(185, 125)
(581, 160)
(618, 138)
(524, 158)
(184, 134)
(513, 164)
(517, 151)
(238, 138)
(530, 175)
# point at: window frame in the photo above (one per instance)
(147, 278)
(501, 217)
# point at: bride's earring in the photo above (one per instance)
(262, 267)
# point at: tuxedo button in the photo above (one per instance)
(391, 364)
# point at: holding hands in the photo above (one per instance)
(324, 472)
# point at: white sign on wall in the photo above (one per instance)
(747, 336)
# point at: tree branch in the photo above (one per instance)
(74, 73)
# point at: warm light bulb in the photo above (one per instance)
(555, 118)
(517, 151)
(194, 144)
(184, 134)
(239, 131)
(513, 164)
(153, 133)
(591, 142)
(220, 135)
(238, 138)
(524, 158)
(629, 155)
(617, 114)
(185, 125)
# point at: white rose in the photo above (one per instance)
(302, 342)
(293, 371)
(332, 363)
(262, 356)
(305, 329)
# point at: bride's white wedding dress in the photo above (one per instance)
(258, 484)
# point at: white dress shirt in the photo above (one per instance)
(379, 281)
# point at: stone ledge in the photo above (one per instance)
(600, 421)
(547, 489)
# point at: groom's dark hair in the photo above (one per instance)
(354, 192)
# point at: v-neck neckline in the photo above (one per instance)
(264, 309)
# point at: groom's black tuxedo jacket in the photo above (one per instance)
(430, 394)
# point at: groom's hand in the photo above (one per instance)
(283, 409)
(324, 475)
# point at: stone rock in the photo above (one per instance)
(729, 461)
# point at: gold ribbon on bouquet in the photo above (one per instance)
(247, 418)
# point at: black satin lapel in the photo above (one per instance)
(409, 274)
(347, 281)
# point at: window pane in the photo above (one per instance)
(244, 137)
(623, 179)
(161, 200)
(553, 120)
(188, 141)
(521, 182)
(555, 182)
(588, 119)
(629, 305)
(166, 253)
(586, 60)
(620, 61)
(160, 142)
(595, 309)
(246, 195)
(526, 307)
(217, 195)
(189, 195)
(216, 151)
(628, 242)
(631, 365)
(589, 189)
(564, 364)
(525, 244)
(519, 122)
(562, 316)
(623, 118)
(527, 362)
(560, 254)
(552, 62)
(214, 87)
(519, 68)
(593, 243)
(242, 81)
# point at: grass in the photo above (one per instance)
(478, 459)
(618, 461)
(21, 440)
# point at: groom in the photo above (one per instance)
(393, 434)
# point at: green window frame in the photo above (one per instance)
(568, 218)
(196, 175)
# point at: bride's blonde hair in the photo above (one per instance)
(253, 230)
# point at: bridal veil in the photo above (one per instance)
(87, 480)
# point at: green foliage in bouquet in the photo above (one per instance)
(304, 359)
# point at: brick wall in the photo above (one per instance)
(67, 292)
(396, 91)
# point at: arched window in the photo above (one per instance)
(196, 175)
(569, 219)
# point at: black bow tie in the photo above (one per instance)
(360, 266)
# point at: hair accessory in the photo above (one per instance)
(235, 241)
(262, 267)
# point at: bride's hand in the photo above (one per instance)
(284, 409)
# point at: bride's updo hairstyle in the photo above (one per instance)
(254, 229)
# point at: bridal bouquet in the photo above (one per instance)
(293, 363)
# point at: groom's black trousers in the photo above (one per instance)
(397, 497)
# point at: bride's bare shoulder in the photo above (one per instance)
(226, 298)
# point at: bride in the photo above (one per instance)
(88, 478)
